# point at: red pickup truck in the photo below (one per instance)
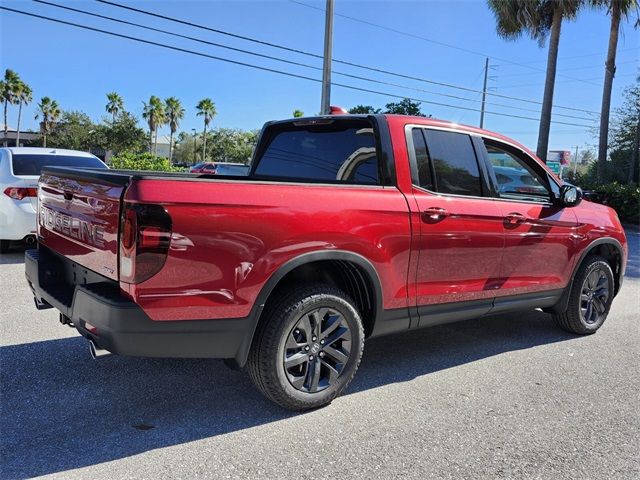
(347, 227)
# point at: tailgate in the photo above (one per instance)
(79, 216)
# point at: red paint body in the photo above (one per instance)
(230, 236)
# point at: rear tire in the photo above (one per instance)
(307, 348)
(590, 298)
(5, 246)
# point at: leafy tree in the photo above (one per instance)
(586, 157)
(73, 130)
(404, 107)
(618, 9)
(115, 105)
(207, 109)
(8, 87)
(155, 116)
(232, 145)
(298, 113)
(175, 113)
(24, 96)
(49, 112)
(624, 138)
(225, 145)
(186, 149)
(122, 135)
(364, 109)
(539, 19)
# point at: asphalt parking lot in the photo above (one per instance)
(509, 396)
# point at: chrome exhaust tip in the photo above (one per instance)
(96, 351)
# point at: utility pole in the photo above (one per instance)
(484, 91)
(575, 164)
(326, 66)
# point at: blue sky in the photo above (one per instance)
(77, 67)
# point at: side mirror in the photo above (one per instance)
(570, 195)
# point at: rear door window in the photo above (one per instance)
(454, 162)
(423, 164)
(340, 151)
(28, 164)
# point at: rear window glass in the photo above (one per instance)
(27, 164)
(339, 152)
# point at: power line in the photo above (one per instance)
(270, 57)
(430, 40)
(617, 75)
(271, 70)
(585, 55)
(187, 37)
(343, 62)
(590, 67)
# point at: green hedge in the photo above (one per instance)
(624, 199)
(141, 161)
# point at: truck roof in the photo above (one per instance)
(409, 119)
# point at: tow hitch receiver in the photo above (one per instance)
(64, 320)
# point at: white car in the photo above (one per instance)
(19, 172)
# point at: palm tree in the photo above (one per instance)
(115, 105)
(50, 112)
(8, 88)
(618, 9)
(207, 109)
(154, 114)
(298, 113)
(24, 96)
(175, 113)
(539, 19)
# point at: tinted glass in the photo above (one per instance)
(454, 161)
(27, 164)
(515, 178)
(422, 160)
(342, 151)
(223, 169)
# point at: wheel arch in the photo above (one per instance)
(606, 247)
(348, 270)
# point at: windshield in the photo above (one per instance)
(28, 164)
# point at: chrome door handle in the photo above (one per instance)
(434, 215)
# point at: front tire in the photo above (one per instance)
(590, 298)
(307, 348)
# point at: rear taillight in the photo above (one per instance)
(145, 236)
(18, 193)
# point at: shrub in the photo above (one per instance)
(141, 161)
(624, 199)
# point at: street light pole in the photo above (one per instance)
(194, 146)
(326, 66)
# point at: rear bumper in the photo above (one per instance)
(17, 219)
(101, 313)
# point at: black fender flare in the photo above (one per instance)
(290, 265)
(564, 300)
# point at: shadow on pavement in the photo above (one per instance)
(633, 263)
(60, 410)
(14, 256)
